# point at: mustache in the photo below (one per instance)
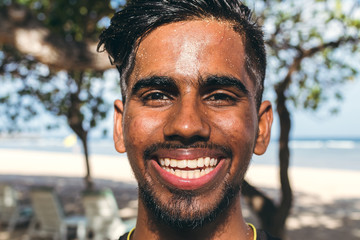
(150, 150)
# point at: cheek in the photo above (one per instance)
(239, 129)
(140, 130)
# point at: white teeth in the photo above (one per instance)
(197, 173)
(200, 162)
(212, 161)
(192, 163)
(200, 166)
(182, 164)
(207, 161)
(167, 162)
(173, 163)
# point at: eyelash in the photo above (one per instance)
(156, 95)
(158, 98)
(221, 96)
(155, 98)
(221, 99)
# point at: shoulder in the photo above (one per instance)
(262, 235)
(124, 237)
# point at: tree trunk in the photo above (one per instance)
(75, 121)
(88, 179)
(284, 158)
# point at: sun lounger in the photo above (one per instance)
(50, 220)
(102, 213)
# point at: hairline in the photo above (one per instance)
(235, 26)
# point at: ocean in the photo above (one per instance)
(325, 153)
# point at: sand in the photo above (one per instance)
(326, 203)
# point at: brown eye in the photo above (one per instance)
(156, 99)
(156, 96)
(221, 99)
(221, 96)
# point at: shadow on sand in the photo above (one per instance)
(312, 217)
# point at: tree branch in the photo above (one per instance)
(19, 28)
(295, 66)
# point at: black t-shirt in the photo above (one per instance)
(261, 235)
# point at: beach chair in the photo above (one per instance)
(50, 220)
(102, 213)
(9, 209)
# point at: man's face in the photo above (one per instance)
(190, 123)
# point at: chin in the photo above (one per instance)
(185, 210)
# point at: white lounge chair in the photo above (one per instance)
(102, 213)
(49, 219)
(9, 209)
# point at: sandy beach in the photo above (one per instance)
(326, 204)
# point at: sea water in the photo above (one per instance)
(332, 153)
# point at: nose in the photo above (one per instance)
(187, 123)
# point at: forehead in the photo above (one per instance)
(185, 50)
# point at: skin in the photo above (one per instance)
(192, 105)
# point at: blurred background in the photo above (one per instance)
(56, 95)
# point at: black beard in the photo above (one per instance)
(172, 215)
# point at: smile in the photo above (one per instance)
(189, 169)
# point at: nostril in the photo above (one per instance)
(187, 123)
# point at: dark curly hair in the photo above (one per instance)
(140, 17)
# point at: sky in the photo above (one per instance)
(308, 124)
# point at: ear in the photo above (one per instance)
(118, 126)
(264, 128)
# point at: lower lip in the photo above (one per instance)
(184, 183)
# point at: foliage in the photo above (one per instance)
(313, 48)
(316, 43)
(75, 95)
(73, 21)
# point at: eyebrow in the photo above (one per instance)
(154, 82)
(223, 81)
(169, 83)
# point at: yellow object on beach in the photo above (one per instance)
(70, 140)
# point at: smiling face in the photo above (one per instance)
(190, 123)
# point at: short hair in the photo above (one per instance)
(140, 17)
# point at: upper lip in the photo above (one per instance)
(189, 153)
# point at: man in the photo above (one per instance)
(192, 75)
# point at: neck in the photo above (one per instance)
(226, 225)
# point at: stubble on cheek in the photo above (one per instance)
(138, 134)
